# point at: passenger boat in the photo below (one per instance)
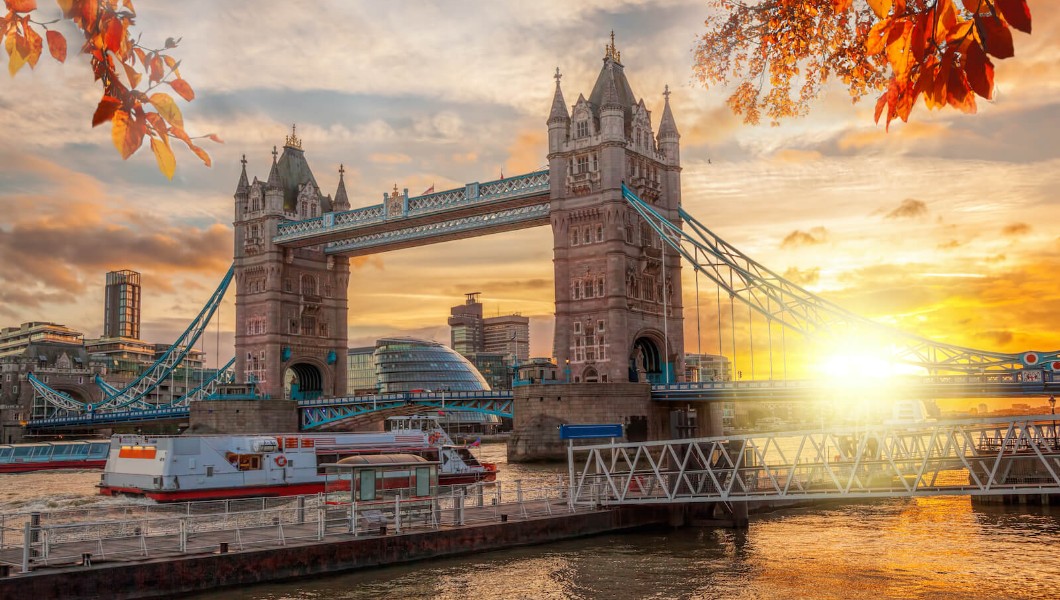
(44, 456)
(206, 467)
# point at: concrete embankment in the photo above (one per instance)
(163, 577)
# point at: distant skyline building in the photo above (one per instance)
(121, 310)
(361, 378)
(406, 364)
(707, 367)
(494, 344)
(466, 327)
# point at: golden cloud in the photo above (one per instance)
(908, 209)
(797, 238)
(1016, 229)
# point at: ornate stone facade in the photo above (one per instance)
(291, 303)
(618, 288)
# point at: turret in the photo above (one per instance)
(612, 113)
(274, 188)
(242, 191)
(669, 139)
(558, 119)
(341, 202)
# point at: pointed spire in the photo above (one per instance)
(274, 174)
(610, 99)
(243, 186)
(559, 107)
(668, 127)
(341, 200)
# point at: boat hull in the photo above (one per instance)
(30, 467)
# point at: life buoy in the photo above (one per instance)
(281, 461)
(433, 438)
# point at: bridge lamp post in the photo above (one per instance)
(1052, 411)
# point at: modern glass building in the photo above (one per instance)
(361, 379)
(407, 364)
(121, 311)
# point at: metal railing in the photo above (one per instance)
(135, 532)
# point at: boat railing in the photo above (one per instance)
(31, 540)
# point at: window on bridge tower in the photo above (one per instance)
(599, 233)
(309, 285)
(595, 165)
(583, 164)
(586, 238)
(574, 237)
(582, 129)
(308, 325)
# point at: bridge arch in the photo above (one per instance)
(304, 380)
(647, 357)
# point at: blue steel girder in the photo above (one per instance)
(802, 311)
(473, 200)
(321, 412)
(91, 419)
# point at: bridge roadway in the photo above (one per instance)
(474, 210)
(324, 412)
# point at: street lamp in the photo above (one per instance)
(1052, 411)
(568, 370)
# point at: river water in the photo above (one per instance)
(903, 548)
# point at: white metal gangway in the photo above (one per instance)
(979, 457)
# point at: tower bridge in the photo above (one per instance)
(612, 197)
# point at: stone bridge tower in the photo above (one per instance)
(618, 288)
(290, 302)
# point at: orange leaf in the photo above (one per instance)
(201, 154)
(89, 10)
(127, 134)
(181, 135)
(181, 87)
(881, 7)
(21, 5)
(15, 57)
(214, 137)
(36, 46)
(57, 45)
(973, 6)
(164, 155)
(875, 42)
(159, 124)
(155, 66)
(980, 71)
(166, 107)
(114, 34)
(105, 110)
(1016, 13)
(997, 39)
(133, 75)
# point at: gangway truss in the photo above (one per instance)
(977, 457)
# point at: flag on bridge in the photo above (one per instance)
(476, 443)
(429, 190)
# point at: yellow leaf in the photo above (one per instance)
(881, 7)
(166, 107)
(15, 62)
(164, 155)
(126, 133)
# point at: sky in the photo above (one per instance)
(948, 226)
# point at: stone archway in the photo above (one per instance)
(645, 360)
(590, 375)
(303, 381)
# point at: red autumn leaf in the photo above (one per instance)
(114, 34)
(201, 154)
(997, 39)
(21, 5)
(214, 137)
(105, 110)
(980, 71)
(1016, 13)
(57, 45)
(155, 66)
(181, 87)
(89, 10)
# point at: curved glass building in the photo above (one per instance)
(407, 364)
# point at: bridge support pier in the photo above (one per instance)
(244, 416)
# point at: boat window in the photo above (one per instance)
(99, 449)
(209, 470)
(423, 481)
(64, 450)
(367, 487)
(249, 462)
(23, 451)
(6, 452)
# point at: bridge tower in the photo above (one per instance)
(618, 287)
(290, 302)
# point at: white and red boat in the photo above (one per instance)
(207, 467)
(46, 456)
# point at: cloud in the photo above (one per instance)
(527, 152)
(948, 245)
(1016, 229)
(395, 158)
(797, 238)
(909, 208)
(803, 277)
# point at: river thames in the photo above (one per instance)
(940, 547)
